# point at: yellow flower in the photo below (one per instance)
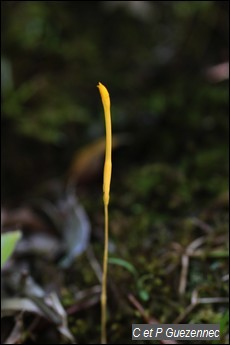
(108, 147)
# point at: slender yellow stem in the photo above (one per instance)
(104, 279)
(106, 189)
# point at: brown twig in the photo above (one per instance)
(148, 319)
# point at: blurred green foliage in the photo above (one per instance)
(151, 57)
(8, 243)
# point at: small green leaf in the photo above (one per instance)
(123, 263)
(8, 243)
(224, 321)
(144, 295)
